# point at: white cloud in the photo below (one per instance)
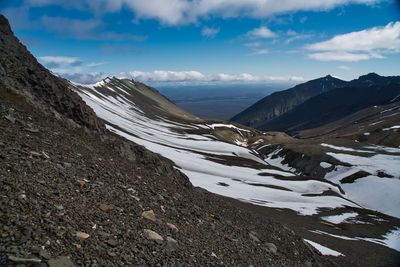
(167, 76)
(342, 56)
(84, 78)
(344, 67)
(96, 64)
(174, 12)
(164, 76)
(292, 36)
(261, 32)
(209, 32)
(258, 52)
(59, 60)
(360, 45)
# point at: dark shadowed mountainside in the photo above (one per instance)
(333, 105)
(278, 103)
(266, 113)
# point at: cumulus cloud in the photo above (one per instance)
(174, 12)
(261, 32)
(292, 36)
(73, 68)
(60, 60)
(165, 76)
(209, 32)
(360, 45)
(84, 78)
(344, 67)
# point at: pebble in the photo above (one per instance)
(104, 207)
(61, 262)
(172, 244)
(253, 237)
(112, 242)
(81, 183)
(67, 165)
(23, 260)
(149, 215)
(172, 227)
(44, 254)
(82, 235)
(151, 235)
(271, 248)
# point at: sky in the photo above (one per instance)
(209, 41)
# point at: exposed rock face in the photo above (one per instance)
(21, 73)
(279, 103)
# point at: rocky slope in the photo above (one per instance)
(21, 73)
(288, 177)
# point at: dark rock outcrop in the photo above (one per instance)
(21, 73)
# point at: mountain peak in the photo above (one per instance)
(369, 76)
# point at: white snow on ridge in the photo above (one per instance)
(195, 156)
(392, 128)
(325, 165)
(342, 148)
(274, 160)
(338, 219)
(391, 239)
(324, 250)
(373, 192)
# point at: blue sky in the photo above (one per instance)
(207, 41)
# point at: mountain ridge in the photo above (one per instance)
(272, 107)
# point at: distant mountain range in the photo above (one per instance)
(318, 102)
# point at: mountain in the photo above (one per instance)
(333, 105)
(376, 125)
(156, 185)
(278, 103)
(75, 194)
(266, 113)
(22, 74)
(285, 176)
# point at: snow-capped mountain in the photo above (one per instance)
(224, 158)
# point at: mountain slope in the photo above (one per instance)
(278, 103)
(94, 196)
(72, 197)
(285, 175)
(376, 125)
(200, 151)
(331, 106)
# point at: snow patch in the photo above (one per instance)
(342, 218)
(325, 165)
(324, 250)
